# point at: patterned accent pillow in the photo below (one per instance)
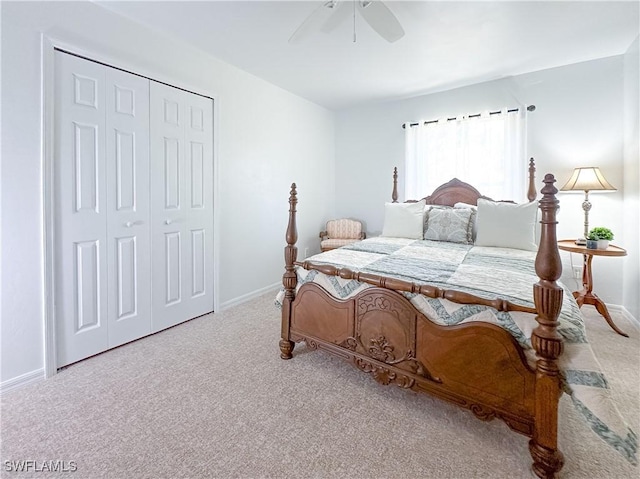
(450, 224)
(474, 221)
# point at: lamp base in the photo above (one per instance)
(586, 206)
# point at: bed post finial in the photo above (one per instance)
(292, 229)
(547, 342)
(394, 193)
(289, 279)
(532, 193)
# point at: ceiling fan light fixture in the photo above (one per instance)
(374, 12)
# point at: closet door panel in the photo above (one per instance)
(199, 208)
(167, 197)
(80, 227)
(182, 205)
(128, 212)
(198, 263)
(173, 260)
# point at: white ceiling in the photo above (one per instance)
(447, 44)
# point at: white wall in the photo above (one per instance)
(266, 139)
(631, 276)
(578, 122)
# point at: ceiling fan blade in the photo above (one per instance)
(340, 14)
(381, 19)
(314, 21)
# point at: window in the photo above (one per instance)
(487, 151)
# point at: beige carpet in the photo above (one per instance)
(212, 398)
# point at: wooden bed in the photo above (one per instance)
(478, 366)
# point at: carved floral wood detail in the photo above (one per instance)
(384, 375)
(381, 348)
(482, 412)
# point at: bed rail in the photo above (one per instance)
(409, 287)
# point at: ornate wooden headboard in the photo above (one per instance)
(456, 191)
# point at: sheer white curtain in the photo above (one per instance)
(486, 151)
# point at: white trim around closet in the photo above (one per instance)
(48, 45)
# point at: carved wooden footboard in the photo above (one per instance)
(476, 365)
(382, 333)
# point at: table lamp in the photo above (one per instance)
(587, 179)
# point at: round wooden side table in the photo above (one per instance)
(586, 295)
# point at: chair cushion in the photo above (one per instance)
(335, 243)
(344, 229)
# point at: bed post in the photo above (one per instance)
(394, 193)
(547, 459)
(532, 193)
(289, 279)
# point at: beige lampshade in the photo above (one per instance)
(587, 178)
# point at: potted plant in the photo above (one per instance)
(592, 241)
(601, 235)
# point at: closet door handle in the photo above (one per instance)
(167, 222)
(129, 224)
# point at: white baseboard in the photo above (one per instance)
(625, 312)
(22, 380)
(249, 296)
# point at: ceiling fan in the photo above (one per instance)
(331, 13)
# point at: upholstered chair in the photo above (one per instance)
(340, 233)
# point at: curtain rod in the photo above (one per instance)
(529, 108)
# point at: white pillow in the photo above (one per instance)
(465, 205)
(507, 225)
(403, 220)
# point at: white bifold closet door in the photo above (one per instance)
(102, 211)
(133, 213)
(182, 198)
